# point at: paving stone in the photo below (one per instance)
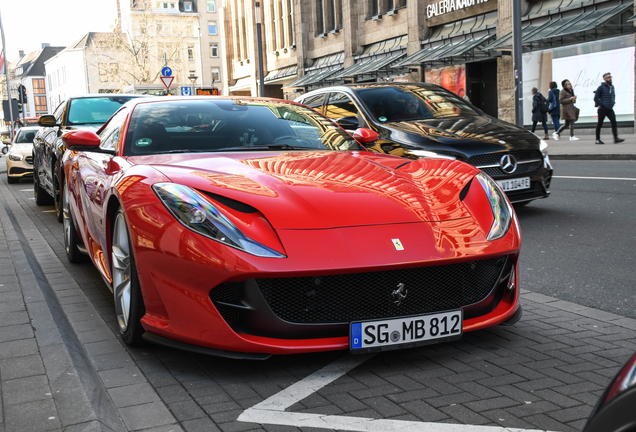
(38, 415)
(146, 416)
(571, 414)
(110, 361)
(27, 389)
(424, 411)
(207, 425)
(173, 393)
(15, 332)
(464, 415)
(136, 394)
(186, 410)
(122, 377)
(19, 367)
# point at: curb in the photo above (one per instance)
(593, 157)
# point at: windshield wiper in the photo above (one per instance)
(264, 147)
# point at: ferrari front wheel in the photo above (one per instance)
(129, 303)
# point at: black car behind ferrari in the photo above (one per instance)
(417, 120)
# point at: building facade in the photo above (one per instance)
(463, 45)
(212, 50)
(29, 72)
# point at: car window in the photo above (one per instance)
(340, 105)
(110, 134)
(25, 136)
(314, 101)
(402, 103)
(94, 110)
(230, 125)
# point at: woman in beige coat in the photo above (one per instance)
(569, 113)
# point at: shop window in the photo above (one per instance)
(214, 50)
(339, 106)
(40, 104)
(212, 28)
(38, 86)
(211, 5)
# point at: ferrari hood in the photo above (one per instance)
(466, 134)
(325, 189)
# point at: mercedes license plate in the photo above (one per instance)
(514, 184)
(397, 333)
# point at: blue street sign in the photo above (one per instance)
(166, 71)
(186, 91)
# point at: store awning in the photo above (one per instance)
(444, 51)
(313, 78)
(241, 84)
(632, 18)
(563, 26)
(283, 73)
(368, 66)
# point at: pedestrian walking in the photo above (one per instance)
(539, 111)
(569, 112)
(554, 105)
(605, 98)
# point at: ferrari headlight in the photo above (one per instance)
(196, 213)
(543, 146)
(428, 154)
(15, 157)
(501, 208)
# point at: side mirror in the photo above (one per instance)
(47, 120)
(84, 140)
(365, 136)
(348, 123)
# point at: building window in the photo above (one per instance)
(191, 52)
(216, 74)
(320, 28)
(159, 27)
(40, 104)
(329, 16)
(187, 6)
(48, 78)
(38, 86)
(212, 27)
(103, 72)
(214, 50)
(211, 5)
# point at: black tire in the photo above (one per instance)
(5, 149)
(71, 237)
(42, 198)
(130, 327)
(58, 184)
(12, 180)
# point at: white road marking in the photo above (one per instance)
(272, 410)
(26, 190)
(48, 211)
(595, 178)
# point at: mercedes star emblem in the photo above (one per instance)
(508, 163)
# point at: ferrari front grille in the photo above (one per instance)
(344, 298)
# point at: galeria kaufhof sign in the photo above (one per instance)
(446, 6)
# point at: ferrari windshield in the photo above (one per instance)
(217, 125)
(94, 110)
(405, 103)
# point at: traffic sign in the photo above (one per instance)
(186, 91)
(167, 81)
(166, 71)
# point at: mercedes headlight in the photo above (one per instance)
(543, 146)
(501, 208)
(196, 213)
(15, 157)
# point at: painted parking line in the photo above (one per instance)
(272, 410)
(595, 178)
(26, 190)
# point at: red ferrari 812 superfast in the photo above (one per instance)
(249, 227)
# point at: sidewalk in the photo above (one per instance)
(586, 149)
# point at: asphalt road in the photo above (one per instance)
(579, 245)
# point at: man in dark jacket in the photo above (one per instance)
(605, 98)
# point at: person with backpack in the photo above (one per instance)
(605, 98)
(540, 108)
(555, 106)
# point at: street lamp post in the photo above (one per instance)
(259, 42)
(193, 79)
(517, 61)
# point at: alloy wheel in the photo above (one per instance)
(121, 272)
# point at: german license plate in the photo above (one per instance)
(398, 333)
(514, 184)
